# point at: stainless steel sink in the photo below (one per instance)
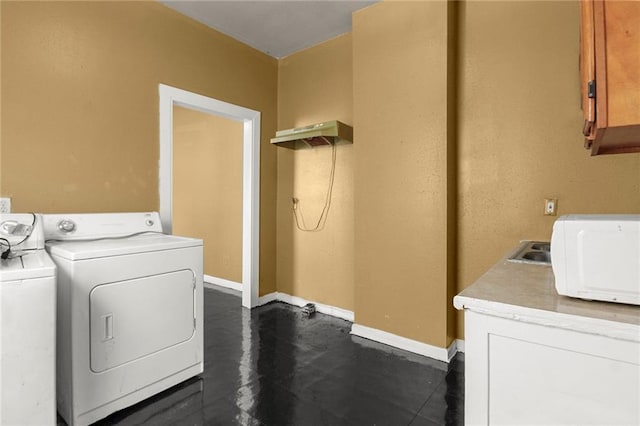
(542, 246)
(534, 252)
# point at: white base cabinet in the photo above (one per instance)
(539, 373)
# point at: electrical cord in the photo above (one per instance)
(5, 254)
(327, 203)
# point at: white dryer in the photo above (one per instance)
(27, 323)
(130, 310)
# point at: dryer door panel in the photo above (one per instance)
(138, 317)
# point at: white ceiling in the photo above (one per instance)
(277, 28)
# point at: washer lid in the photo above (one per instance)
(33, 264)
(92, 249)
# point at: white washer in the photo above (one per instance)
(130, 308)
(27, 324)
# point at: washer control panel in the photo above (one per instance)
(86, 226)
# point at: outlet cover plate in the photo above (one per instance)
(551, 206)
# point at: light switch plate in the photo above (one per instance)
(5, 205)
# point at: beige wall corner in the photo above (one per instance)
(453, 81)
(315, 85)
(520, 132)
(400, 121)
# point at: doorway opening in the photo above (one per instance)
(250, 119)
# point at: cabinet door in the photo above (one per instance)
(610, 75)
(618, 62)
(522, 373)
(588, 71)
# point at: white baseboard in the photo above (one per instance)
(334, 311)
(420, 348)
(320, 307)
(208, 279)
(267, 298)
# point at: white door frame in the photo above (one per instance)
(170, 97)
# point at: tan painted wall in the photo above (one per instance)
(207, 188)
(80, 104)
(79, 133)
(520, 123)
(315, 85)
(400, 122)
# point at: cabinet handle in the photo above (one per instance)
(591, 89)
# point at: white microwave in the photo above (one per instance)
(597, 257)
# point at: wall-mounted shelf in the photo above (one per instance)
(321, 134)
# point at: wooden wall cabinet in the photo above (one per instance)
(610, 74)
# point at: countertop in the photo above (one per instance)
(526, 292)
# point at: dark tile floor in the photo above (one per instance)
(275, 366)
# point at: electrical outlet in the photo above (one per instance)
(550, 206)
(5, 205)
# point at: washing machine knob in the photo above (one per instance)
(66, 226)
